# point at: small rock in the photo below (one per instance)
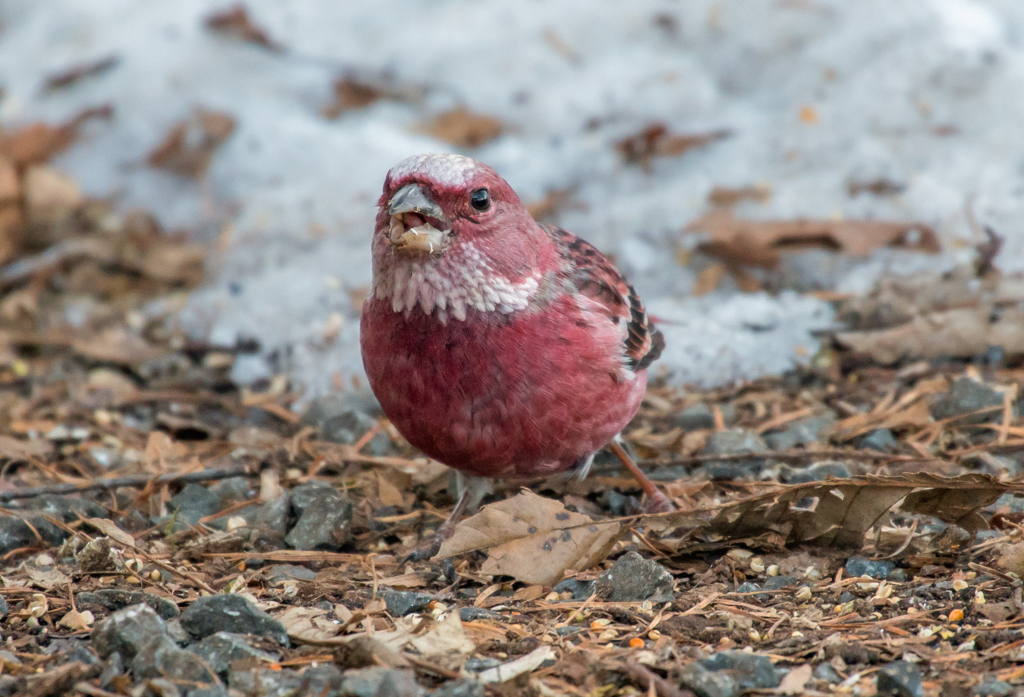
(323, 680)
(399, 683)
(707, 683)
(750, 671)
(15, 533)
(232, 490)
(802, 432)
(126, 630)
(881, 439)
(210, 691)
(1012, 558)
(401, 603)
(193, 502)
(267, 683)
(617, 504)
(633, 578)
(220, 650)
(114, 599)
(363, 682)
(826, 672)
(694, 418)
(350, 426)
(274, 516)
(774, 583)
(324, 523)
(280, 574)
(733, 441)
(899, 679)
(230, 613)
(472, 614)
(3, 606)
(990, 687)
(67, 508)
(113, 668)
(69, 651)
(858, 566)
(324, 408)
(964, 397)
(460, 687)
(303, 495)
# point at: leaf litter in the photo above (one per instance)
(842, 521)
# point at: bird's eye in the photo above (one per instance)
(480, 200)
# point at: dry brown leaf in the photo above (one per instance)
(108, 528)
(176, 263)
(961, 332)
(47, 579)
(309, 624)
(656, 141)
(78, 72)
(758, 243)
(446, 636)
(513, 669)
(77, 621)
(553, 202)
(235, 22)
(16, 449)
(351, 93)
(708, 279)
(795, 680)
(722, 196)
(189, 146)
(10, 187)
(38, 142)
(843, 510)
(50, 195)
(533, 539)
(464, 128)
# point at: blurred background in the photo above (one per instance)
(205, 173)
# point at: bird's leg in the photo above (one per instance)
(657, 502)
(471, 491)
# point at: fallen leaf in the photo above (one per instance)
(840, 511)
(10, 186)
(47, 579)
(446, 636)
(708, 279)
(16, 449)
(77, 621)
(793, 683)
(722, 196)
(309, 624)
(533, 539)
(877, 187)
(758, 243)
(189, 146)
(953, 333)
(108, 528)
(80, 71)
(38, 142)
(554, 201)
(463, 128)
(656, 140)
(235, 23)
(50, 195)
(524, 664)
(349, 94)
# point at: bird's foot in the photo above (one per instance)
(430, 549)
(659, 503)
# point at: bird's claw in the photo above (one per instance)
(658, 504)
(423, 552)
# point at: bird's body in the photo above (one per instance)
(495, 345)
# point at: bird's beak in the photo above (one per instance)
(417, 223)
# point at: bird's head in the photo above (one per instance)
(434, 202)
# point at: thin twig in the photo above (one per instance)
(134, 480)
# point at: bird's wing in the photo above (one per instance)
(593, 275)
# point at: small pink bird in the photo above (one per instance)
(498, 346)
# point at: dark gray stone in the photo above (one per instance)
(15, 533)
(471, 614)
(350, 426)
(633, 578)
(193, 502)
(324, 408)
(478, 664)
(581, 590)
(321, 680)
(114, 599)
(163, 658)
(460, 687)
(126, 630)
(3, 606)
(230, 613)
(211, 691)
(401, 603)
(694, 418)
(735, 441)
(67, 508)
(881, 439)
(707, 683)
(273, 516)
(400, 683)
(113, 668)
(774, 583)
(824, 671)
(72, 651)
(364, 682)
(303, 495)
(233, 490)
(324, 524)
(177, 634)
(857, 566)
(964, 397)
(749, 671)
(803, 432)
(220, 650)
(899, 679)
(990, 687)
(616, 503)
(266, 683)
(280, 574)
